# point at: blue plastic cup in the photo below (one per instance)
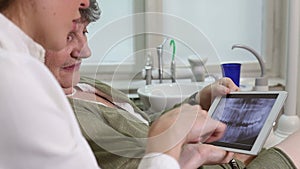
(232, 70)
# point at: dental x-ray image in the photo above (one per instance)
(244, 118)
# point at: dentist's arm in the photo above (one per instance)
(184, 125)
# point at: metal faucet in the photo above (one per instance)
(148, 69)
(258, 57)
(160, 50)
(261, 83)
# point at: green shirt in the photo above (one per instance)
(118, 139)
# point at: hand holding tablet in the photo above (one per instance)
(249, 117)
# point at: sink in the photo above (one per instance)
(160, 97)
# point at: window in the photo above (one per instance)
(113, 11)
(222, 23)
(112, 40)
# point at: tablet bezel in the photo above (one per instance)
(266, 129)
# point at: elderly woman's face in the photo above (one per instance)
(65, 64)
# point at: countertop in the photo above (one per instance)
(130, 87)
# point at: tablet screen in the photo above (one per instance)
(245, 116)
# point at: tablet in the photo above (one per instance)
(249, 117)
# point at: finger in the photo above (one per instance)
(228, 157)
(212, 130)
(227, 82)
(217, 133)
(221, 90)
(214, 155)
(223, 156)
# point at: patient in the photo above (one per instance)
(116, 128)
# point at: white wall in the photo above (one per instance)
(113, 11)
(224, 23)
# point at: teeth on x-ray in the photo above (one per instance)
(244, 117)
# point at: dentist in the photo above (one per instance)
(37, 125)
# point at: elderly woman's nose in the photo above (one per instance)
(85, 51)
(82, 50)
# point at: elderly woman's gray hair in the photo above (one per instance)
(92, 13)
